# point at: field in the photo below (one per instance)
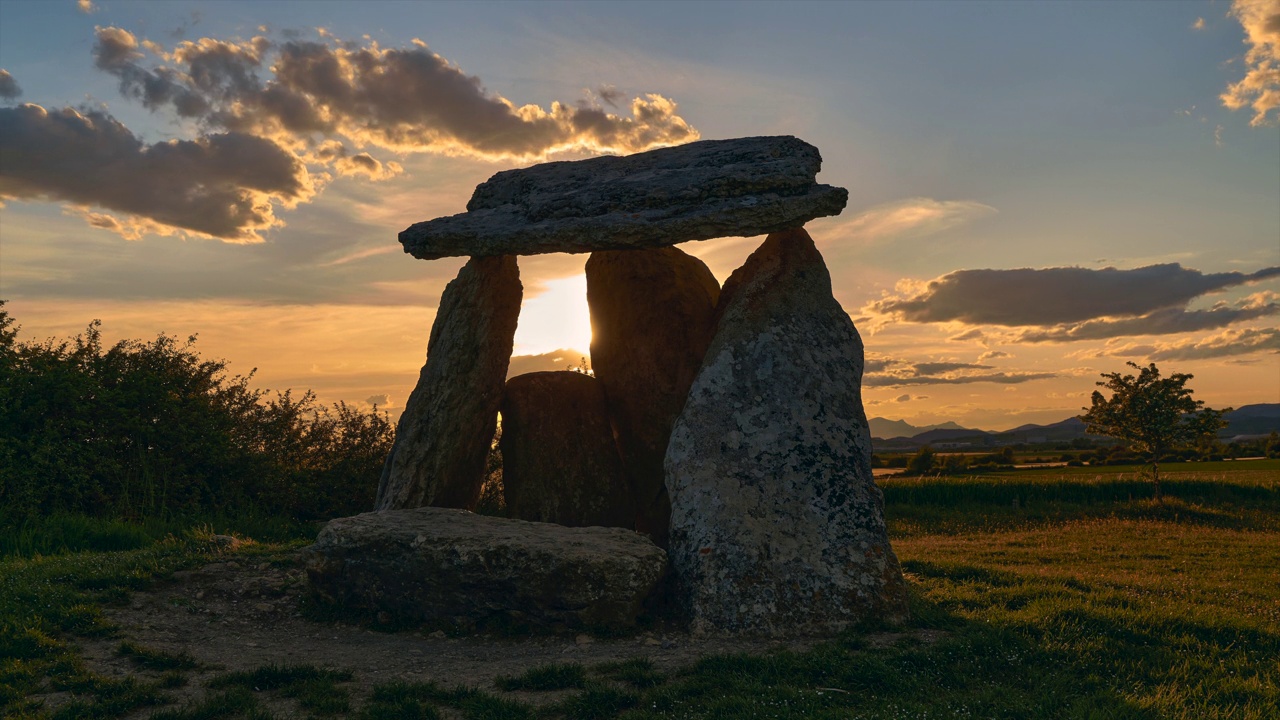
(1054, 593)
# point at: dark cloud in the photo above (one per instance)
(883, 371)
(221, 185)
(1168, 321)
(1055, 296)
(275, 108)
(967, 335)
(117, 52)
(8, 86)
(938, 368)
(998, 378)
(401, 99)
(610, 95)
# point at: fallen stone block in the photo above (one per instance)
(455, 567)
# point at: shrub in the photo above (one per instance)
(146, 429)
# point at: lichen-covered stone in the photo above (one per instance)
(444, 434)
(698, 191)
(559, 461)
(777, 526)
(652, 313)
(452, 566)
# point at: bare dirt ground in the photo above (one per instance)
(245, 613)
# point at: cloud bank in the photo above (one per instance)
(276, 120)
(399, 99)
(1224, 344)
(221, 185)
(1056, 296)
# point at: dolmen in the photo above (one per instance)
(717, 462)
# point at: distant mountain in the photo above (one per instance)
(1260, 419)
(882, 428)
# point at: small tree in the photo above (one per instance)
(1151, 414)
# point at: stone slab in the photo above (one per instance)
(702, 190)
(454, 567)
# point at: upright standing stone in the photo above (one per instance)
(444, 434)
(776, 524)
(652, 314)
(559, 461)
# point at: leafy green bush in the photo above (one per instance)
(151, 429)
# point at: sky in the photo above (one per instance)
(1038, 192)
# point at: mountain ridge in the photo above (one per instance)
(1253, 419)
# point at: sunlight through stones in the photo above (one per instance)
(725, 425)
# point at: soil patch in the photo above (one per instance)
(240, 615)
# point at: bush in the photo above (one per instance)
(151, 429)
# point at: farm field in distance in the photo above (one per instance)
(1045, 593)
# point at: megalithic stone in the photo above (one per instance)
(776, 524)
(443, 436)
(559, 461)
(702, 190)
(652, 314)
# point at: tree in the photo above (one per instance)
(1151, 414)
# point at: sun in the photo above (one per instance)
(555, 319)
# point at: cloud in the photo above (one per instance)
(276, 121)
(8, 86)
(938, 368)
(993, 354)
(999, 378)
(881, 371)
(86, 6)
(1259, 89)
(1224, 344)
(382, 401)
(399, 99)
(1054, 296)
(1166, 321)
(912, 217)
(1198, 24)
(554, 360)
(223, 185)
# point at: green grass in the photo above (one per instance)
(545, 677)
(61, 533)
(1086, 599)
(315, 689)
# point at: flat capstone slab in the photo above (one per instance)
(453, 567)
(702, 190)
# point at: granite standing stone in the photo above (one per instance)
(777, 526)
(652, 314)
(559, 461)
(698, 191)
(444, 434)
(454, 567)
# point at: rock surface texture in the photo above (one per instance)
(559, 461)
(698, 191)
(455, 567)
(652, 315)
(777, 527)
(443, 435)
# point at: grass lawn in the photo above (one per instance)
(1056, 593)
